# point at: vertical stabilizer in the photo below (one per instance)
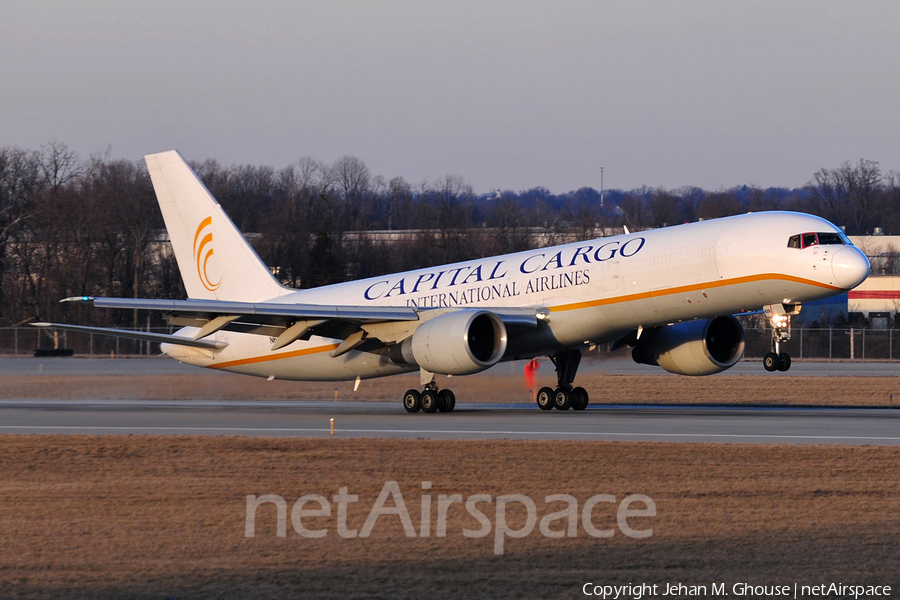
(215, 260)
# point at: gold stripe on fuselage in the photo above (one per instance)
(692, 288)
(268, 357)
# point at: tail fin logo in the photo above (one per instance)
(203, 251)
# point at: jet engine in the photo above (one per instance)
(701, 347)
(457, 343)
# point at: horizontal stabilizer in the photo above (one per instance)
(162, 338)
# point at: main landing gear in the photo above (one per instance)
(564, 396)
(776, 360)
(430, 399)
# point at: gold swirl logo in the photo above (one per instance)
(203, 251)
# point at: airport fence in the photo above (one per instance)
(25, 340)
(836, 343)
(817, 343)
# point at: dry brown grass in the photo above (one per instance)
(163, 517)
(485, 387)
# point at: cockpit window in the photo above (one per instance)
(826, 239)
(805, 240)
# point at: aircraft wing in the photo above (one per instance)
(256, 311)
(285, 322)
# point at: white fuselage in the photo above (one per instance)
(595, 291)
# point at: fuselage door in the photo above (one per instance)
(607, 273)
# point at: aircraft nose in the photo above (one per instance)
(850, 267)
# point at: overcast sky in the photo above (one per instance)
(508, 95)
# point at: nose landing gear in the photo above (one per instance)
(780, 319)
(777, 361)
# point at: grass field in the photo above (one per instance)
(164, 517)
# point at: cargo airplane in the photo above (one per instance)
(671, 294)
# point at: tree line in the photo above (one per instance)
(72, 226)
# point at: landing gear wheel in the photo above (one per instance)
(771, 362)
(562, 399)
(784, 361)
(545, 398)
(412, 401)
(579, 398)
(446, 401)
(429, 401)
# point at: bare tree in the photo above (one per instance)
(761, 200)
(664, 208)
(450, 200)
(507, 220)
(632, 207)
(352, 180)
(58, 165)
(19, 181)
(890, 202)
(400, 210)
(583, 210)
(291, 220)
(849, 194)
(719, 204)
(691, 197)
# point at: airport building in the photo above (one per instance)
(877, 299)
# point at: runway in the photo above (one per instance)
(380, 419)
(738, 424)
(619, 364)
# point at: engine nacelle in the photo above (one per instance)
(457, 343)
(701, 347)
